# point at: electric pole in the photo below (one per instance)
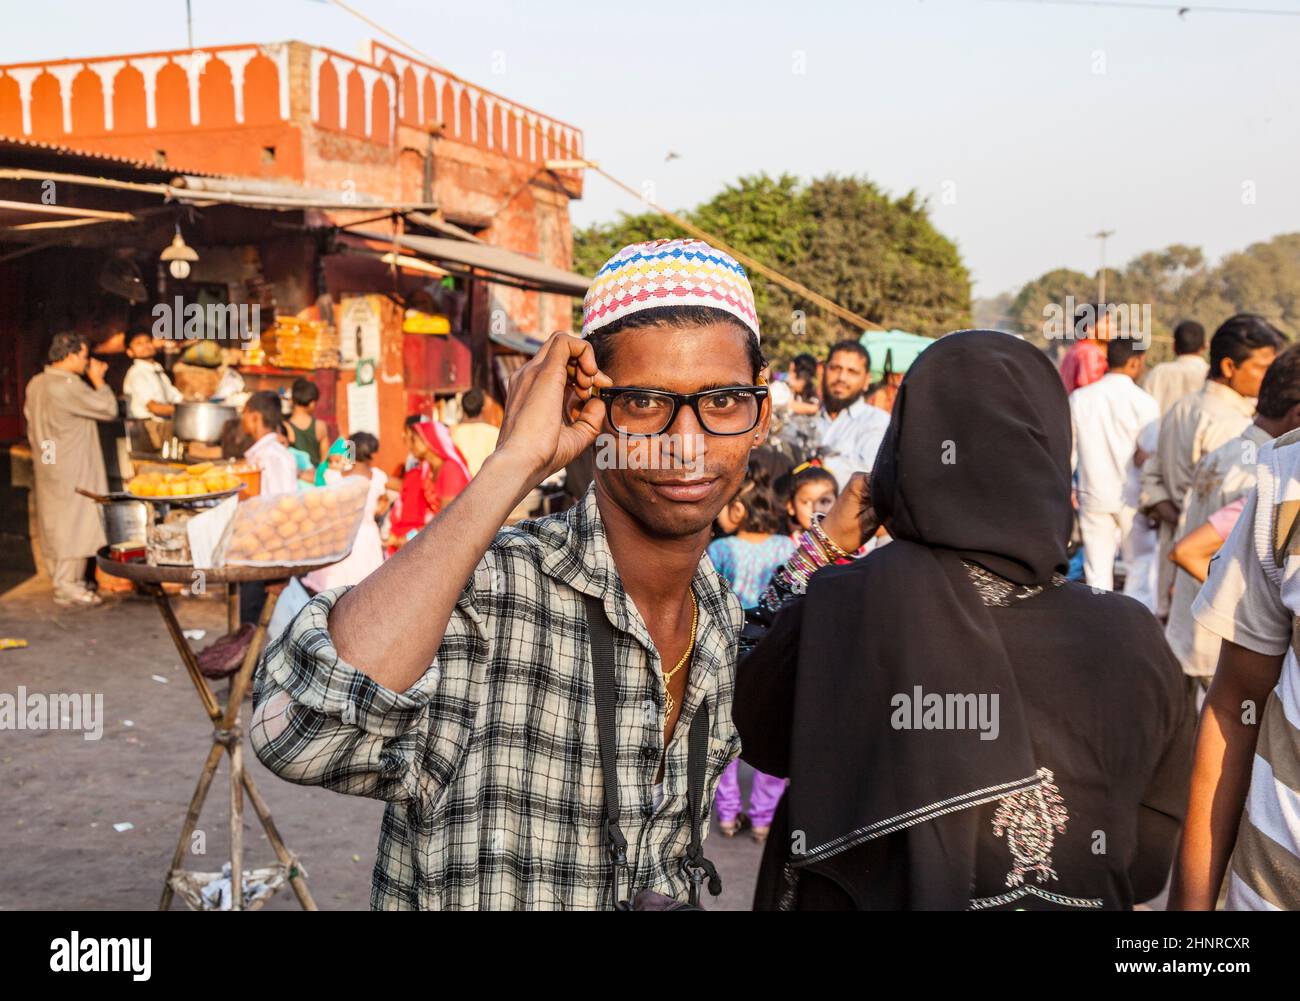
(1102, 235)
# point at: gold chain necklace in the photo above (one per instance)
(669, 704)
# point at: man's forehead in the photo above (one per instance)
(681, 358)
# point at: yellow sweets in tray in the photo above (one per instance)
(193, 481)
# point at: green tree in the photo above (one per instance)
(1029, 310)
(1179, 284)
(878, 256)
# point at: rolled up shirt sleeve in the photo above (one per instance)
(317, 720)
(1238, 602)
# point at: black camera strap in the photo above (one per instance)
(601, 637)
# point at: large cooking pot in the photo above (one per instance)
(201, 421)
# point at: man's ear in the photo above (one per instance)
(572, 405)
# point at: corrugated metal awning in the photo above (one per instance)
(485, 257)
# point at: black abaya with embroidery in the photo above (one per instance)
(962, 728)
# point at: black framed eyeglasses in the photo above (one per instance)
(729, 410)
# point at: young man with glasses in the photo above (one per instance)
(455, 682)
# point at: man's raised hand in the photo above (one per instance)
(538, 429)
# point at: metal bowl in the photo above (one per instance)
(201, 421)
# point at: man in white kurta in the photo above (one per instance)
(1222, 476)
(1109, 416)
(1170, 381)
(1240, 353)
(149, 392)
(61, 411)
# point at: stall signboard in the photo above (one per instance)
(359, 328)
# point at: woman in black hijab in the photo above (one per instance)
(961, 727)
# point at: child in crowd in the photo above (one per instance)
(336, 463)
(809, 490)
(262, 424)
(367, 553)
(754, 548)
(306, 431)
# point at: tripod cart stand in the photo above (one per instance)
(227, 736)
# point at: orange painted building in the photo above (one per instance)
(384, 130)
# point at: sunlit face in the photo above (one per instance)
(675, 483)
(810, 499)
(1247, 377)
(844, 379)
(142, 346)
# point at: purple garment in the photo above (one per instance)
(748, 567)
(764, 795)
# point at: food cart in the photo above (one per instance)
(228, 542)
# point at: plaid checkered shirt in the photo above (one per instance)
(490, 762)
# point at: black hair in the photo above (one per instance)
(413, 419)
(855, 347)
(65, 344)
(1280, 390)
(1086, 316)
(764, 504)
(472, 402)
(673, 316)
(790, 484)
(304, 392)
(1120, 350)
(364, 446)
(1189, 338)
(135, 332)
(805, 367)
(1240, 336)
(267, 404)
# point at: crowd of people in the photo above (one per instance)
(1169, 475)
(280, 435)
(938, 712)
(1028, 647)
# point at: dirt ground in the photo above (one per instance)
(61, 795)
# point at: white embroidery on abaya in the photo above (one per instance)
(1030, 820)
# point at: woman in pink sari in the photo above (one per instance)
(434, 482)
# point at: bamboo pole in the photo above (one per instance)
(236, 750)
(239, 684)
(187, 655)
(191, 818)
(277, 844)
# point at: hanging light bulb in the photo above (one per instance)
(179, 256)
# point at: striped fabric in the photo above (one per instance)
(664, 273)
(1264, 873)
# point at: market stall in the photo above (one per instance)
(200, 534)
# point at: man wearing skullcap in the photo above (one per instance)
(456, 682)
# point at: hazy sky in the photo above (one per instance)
(1027, 126)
